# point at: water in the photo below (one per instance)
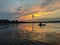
(26, 33)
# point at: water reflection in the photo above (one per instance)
(45, 34)
(20, 34)
(29, 27)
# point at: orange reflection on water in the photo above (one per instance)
(26, 27)
(31, 27)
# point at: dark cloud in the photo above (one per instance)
(5, 15)
(22, 12)
(18, 13)
(4, 3)
(47, 2)
(24, 9)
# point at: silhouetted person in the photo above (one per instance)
(40, 24)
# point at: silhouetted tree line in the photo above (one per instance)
(8, 21)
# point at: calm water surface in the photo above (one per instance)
(22, 33)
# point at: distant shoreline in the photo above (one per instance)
(16, 21)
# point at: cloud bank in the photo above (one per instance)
(17, 9)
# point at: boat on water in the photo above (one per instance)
(40, 24)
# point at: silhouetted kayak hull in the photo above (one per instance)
(42, 24)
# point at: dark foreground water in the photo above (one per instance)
(30, 34)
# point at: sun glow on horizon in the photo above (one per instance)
(36, 15)
(37, 11)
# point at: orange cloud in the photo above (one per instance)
(25, 17)
(39, 11)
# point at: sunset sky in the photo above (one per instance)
(24, 9)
